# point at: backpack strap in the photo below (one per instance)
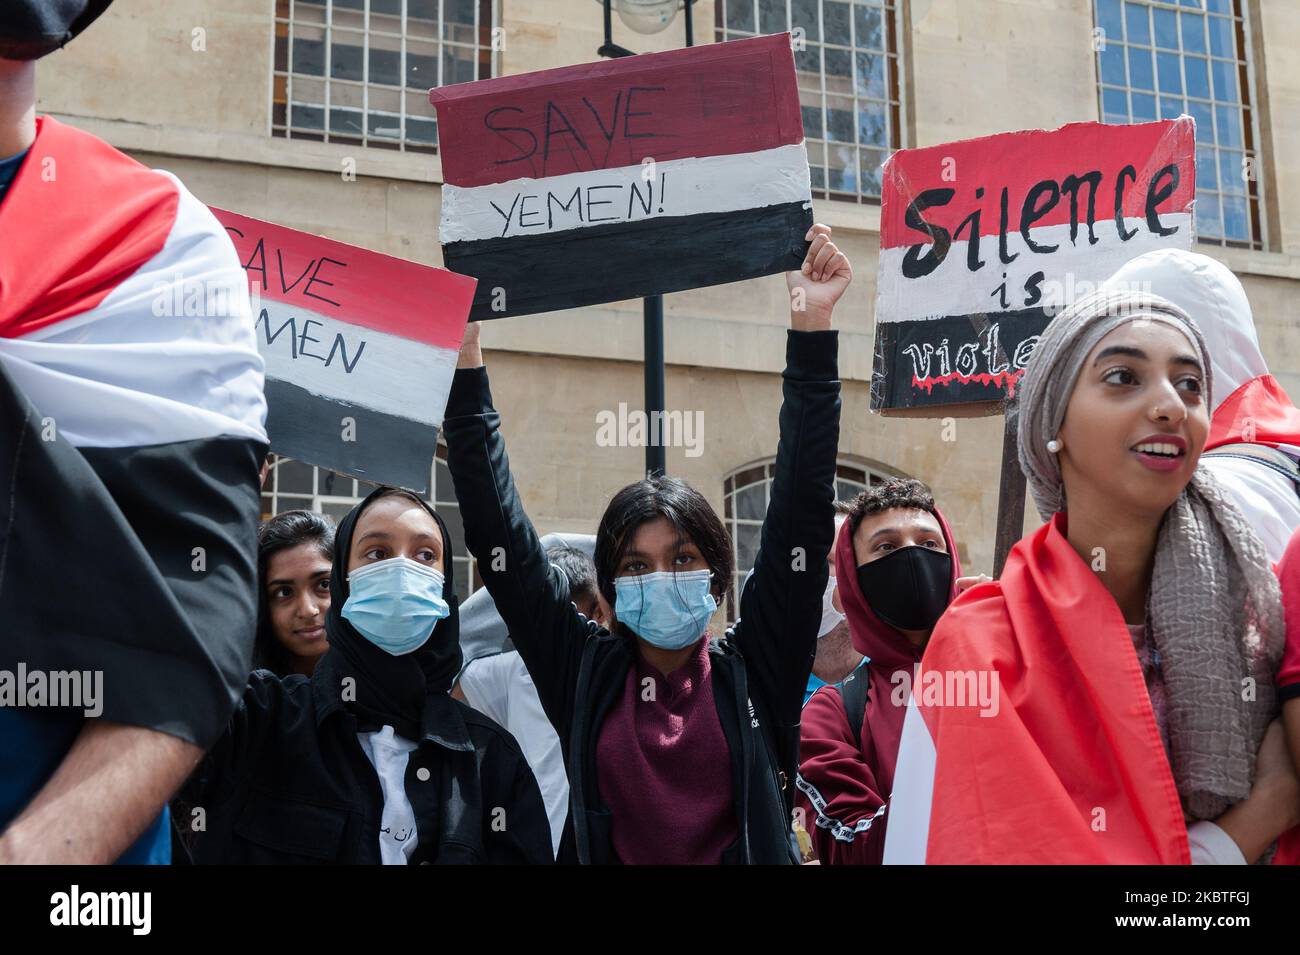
(1271, 458)
(854, 694)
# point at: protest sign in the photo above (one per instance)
(620, 179)
(360, 349)
(982, 241)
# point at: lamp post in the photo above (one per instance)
(649, 16)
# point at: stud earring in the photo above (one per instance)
(1053, 445)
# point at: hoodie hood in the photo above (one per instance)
(1249, 404)
(886, 647)
(1206, 290)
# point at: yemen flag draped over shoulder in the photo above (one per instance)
(1069, 767)
(614, 180)
(131, 435)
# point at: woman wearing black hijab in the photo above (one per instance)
(370, 760)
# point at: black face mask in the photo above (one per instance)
(29, 29)
(909, 588)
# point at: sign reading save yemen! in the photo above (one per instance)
(360, 349)
(624, 178)
(982, 241)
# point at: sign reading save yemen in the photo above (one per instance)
(982, 241)
(624, 178)
(360, 349)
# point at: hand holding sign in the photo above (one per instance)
(819, 283)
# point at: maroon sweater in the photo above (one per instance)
(664, 770)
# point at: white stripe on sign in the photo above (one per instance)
(908, 836)
(352, 363)
(1070, 272)
(167, 356)
(673, 187)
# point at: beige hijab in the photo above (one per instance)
(1214, 609)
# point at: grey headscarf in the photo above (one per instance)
(1214, 611)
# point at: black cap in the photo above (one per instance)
(29, 29)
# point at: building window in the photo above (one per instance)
(846, 59)
(360, 71)
(1158, 60)
(291, 484)
(745, 498)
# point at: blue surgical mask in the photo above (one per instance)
(666, 610)
(395, 603)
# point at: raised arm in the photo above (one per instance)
(531, 595)
(780, 607)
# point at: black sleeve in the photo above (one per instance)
(531, 595)
(223, 769)
(781, 606)
(516, 827)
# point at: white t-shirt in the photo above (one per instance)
(1267, 498)
(389, 754)
(500, 687)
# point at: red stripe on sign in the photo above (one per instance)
(351, 284)
(1039, 178)
(79, 218)
(715, 100)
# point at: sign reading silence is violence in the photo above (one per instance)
(360, 349)
(983, 241)
(625, 178)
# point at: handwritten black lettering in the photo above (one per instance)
(502, 130)
(317, 280)
(602, 202)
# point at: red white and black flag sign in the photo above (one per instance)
(360, 349)
(982, 241)
(624, 178)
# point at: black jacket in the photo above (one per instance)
(760, 670)
(289, 783)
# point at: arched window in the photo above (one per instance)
(745, 496)
(292, 484)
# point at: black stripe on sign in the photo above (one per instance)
(523, 275)
(956, 359)
(376, 447)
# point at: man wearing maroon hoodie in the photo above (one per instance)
(896, 570)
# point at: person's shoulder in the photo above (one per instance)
(485, 733)
(1288, 568)
(824, 714)
(283, 696)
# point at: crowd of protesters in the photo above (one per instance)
(1138, 655)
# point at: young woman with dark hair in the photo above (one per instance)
(370, 760)
(680, 748)
(1132, 642)
(294, 550)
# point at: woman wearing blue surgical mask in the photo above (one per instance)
(681, 748)
(370, 760)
